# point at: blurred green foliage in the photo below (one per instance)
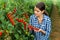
(22, 6)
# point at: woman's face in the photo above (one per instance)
(37, 12)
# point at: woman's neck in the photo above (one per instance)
(40, 18)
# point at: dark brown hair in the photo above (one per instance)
(41, 7)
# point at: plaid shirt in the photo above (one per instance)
(45, 25)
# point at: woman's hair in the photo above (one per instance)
(41, 7)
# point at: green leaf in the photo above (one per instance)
(17, 36)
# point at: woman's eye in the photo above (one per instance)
(37, 11)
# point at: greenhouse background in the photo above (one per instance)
(13, 10)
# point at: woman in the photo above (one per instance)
(40, 20)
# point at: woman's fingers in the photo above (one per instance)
(36, 30)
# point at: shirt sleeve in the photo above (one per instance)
(30, 22)
(48, 29)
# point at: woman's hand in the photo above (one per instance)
(40, 30)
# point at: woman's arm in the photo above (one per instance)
(40, 30)
(48, 30)
(30, 22)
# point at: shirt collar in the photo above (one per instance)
(44, 16)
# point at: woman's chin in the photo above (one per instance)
(37, 16)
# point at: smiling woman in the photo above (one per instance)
(38, 19)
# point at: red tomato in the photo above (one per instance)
(20, 20)
(36, 28)
(8, 15)
(26, 15)
(25, 27)
(14, 10)
(30, 27)
(11, 19)
(24, 23)
(0, 33)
